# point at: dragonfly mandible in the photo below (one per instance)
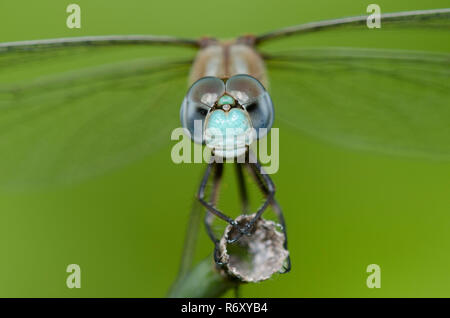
(314, 86)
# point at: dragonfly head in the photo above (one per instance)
(227, 114)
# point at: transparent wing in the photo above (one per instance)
(71, 112)
(436, 18)
(396, 102)
(101, 40)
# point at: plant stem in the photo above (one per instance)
(204, 280)
(187, 257)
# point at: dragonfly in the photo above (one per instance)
(389, 101)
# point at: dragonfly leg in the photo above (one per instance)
(210, 206)
(242, 187)
(269, 197)
(218, 170)
(207, 205)
(276, 207)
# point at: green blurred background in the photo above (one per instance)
(344, 209)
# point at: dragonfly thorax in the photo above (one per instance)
(226, 59)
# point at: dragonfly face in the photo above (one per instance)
(227, 114)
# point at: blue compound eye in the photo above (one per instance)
(202, 95)
(252, 95)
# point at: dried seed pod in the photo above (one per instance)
(255, 257)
